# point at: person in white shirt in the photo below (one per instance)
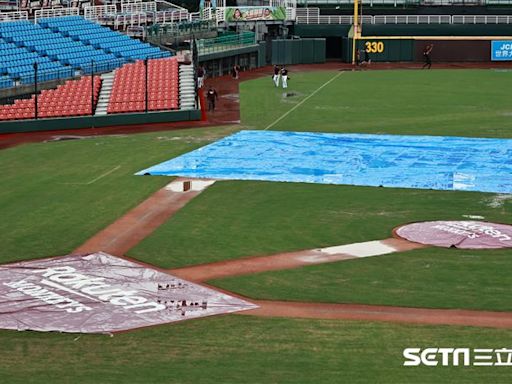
(284, 77)
(277, 74)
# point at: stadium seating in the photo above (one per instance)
(5, 81)
(17, 62)
(55, 46)
(128, 92)
(62, 46)
(70, 99)
(88, 33)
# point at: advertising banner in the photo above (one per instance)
(501, 50)
(255, 13)
(100, 293)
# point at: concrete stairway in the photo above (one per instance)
(187, 87)
(106, 90)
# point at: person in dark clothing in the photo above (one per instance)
(367, 59)
(426, 56)
(212, 97)
(275, 77)
(235, 71)
(358, 57)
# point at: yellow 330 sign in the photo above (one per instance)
(374, 46)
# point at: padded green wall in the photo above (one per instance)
(394, 50)
(298, 51)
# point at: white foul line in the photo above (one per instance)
(96, 179)
(103, 175)
(303, 101)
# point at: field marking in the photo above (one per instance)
(97, 178)
(304, 100)
(103, 175)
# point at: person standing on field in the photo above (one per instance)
(212, 97)
(367, 59)
(426, 56)
(276, 75)
(284, 77)
(235, 71)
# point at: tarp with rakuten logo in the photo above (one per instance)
(100, 293)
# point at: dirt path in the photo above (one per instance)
(127, 231)
(381, 313)
(290, 260)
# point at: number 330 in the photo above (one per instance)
(374, 46)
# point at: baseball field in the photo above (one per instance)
(56, 195)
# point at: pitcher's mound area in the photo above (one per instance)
(458, 234)
(100, 293)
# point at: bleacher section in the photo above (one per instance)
(128, 92)
(17, 58)
(62, 46)
(102, 38)
(70, 99)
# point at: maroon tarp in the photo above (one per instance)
(100, 293)
(460, 234)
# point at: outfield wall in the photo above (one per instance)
(436, 30)
(98, 121)
(279, 51)
(446, 49)
(405, 42)
(298, 51)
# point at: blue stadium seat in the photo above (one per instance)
(102, 38)
(63, 45)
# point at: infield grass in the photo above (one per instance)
(54, 196)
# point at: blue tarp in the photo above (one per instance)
(426, 162)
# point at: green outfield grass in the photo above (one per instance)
(239, 349)
(56, 195)
(435, 102)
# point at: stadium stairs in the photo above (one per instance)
(187, 87)
(105, 93)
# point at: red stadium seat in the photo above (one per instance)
(73, 98)
(128, 92)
